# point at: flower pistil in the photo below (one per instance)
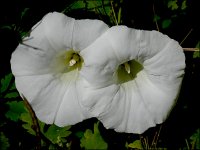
(73, 60)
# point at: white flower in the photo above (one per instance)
(133, 78)
(46, 66)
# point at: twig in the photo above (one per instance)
(191, 49)
(36, 126)
(186, 36)
(119, 15)
(185, 49)
(31, 46)
(144, 141)
(188, 147)
(141, 139)
(158, 135)
(155, 19)
(155, 138)
(147, 143)
(114, 13)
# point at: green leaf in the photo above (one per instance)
(4, 144)
(183, 5)
(136, 144)
(172, 4)
(56, 134)
(195, 139)
(166, 23)
(13, 87)
(16, 109)
(26, 118)
(11, 95)
(196, 54)
(79, 134)
(29, 129)
(126, 145)
(102, 7)
(52, 147)
(5, 82)
(78, 5)
(92, 140)
(23, 13)
(6, 27)
(98, 6)
(156, 18)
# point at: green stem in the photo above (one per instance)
(114, 13)
(36, 126)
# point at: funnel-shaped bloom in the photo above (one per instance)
(46, 66)
(133, 78)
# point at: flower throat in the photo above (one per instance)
(73, 60)
(128, 71)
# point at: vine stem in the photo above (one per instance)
(113, 11)
(154, 13)
(157, 136)
(36, 126)
(191, 49)
(184, 49)
(186, 36)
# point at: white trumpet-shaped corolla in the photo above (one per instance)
(133, 78)
(47, 65)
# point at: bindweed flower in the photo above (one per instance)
(70, 70)
(47, 65)
(133, 78)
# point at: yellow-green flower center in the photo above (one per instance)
(73, 60)
(128, 71)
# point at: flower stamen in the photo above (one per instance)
(127, 67)
(72, 62)
(127, 71)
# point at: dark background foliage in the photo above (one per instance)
(139, 14)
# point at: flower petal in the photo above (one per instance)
(54, 99)
(99, 62)
(127, 112)
(70, 110)
(87, 31)
(118, 107)
(50, 36)
(162, 56)
(95, 100)
(54, 30)
(58, 29)
(27, 61)
(116, 46)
